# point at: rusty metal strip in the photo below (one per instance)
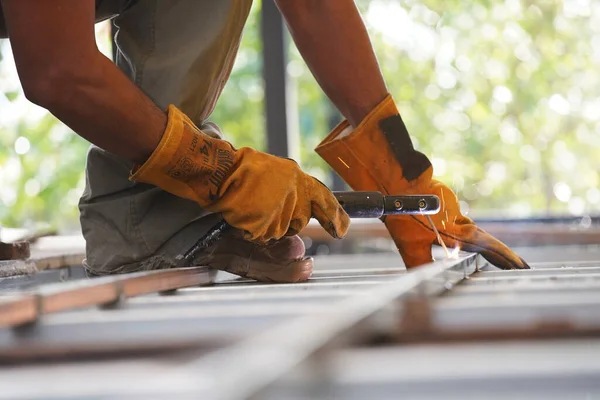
(535, 331)
(58, 261)
(419, 320)
(257, 362)
(31, 266)
(98, 291)
(511, 234)
(14, 251)
(16, 310)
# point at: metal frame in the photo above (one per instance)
(27, 307)
(275, 79)
(290, 344)
(511, 234)
(333, 118)
(238, 338)
(275, 48)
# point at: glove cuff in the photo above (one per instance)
(187, 162)
(378, 154)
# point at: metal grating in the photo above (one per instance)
(359, 328)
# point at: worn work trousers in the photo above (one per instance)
(178, 52)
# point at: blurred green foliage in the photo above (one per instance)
(503, 96)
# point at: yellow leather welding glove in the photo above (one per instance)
(266, 197)
(379, 155)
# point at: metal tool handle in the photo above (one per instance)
(356, 204)
(210, 238)
(376, 205)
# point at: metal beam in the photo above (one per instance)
(555, 369)
(269, 330)
(255, 363)
(333, 118)
(511, 234)
(14, 251)
(275, 78)
(56, 297)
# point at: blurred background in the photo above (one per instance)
(503, 96)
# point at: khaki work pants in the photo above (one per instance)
(178, 52)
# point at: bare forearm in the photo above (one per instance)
(61, 69)
(334, 42)
(105, 107)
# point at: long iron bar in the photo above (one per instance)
(241, 370)
(196, 316)
(27, 307)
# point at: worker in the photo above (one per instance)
(159, 174)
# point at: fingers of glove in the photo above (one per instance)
(326, 209)
(492, 250)
(255, 237)
(463, 232)
(334, 220)
(277, 228)
(525, 265)
(256, 230)
(296, 225)
(450, 207)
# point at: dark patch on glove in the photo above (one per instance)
(413, 163)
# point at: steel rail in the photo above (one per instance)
(242, 370)
(10, 268)
(27, 307)
(513, 234)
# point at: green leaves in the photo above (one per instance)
(505, 96)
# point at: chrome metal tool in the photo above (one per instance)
(356, 204)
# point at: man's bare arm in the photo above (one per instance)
(333, 41)
(62, 70)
